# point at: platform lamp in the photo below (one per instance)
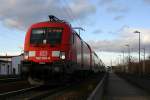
(137, 32)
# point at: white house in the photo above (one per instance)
(10, 65)
(5, 67)
(16, 61)
(6, 58)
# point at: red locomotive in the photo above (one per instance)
(52, 50)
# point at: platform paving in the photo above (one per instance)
(119, 89)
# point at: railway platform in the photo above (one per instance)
(119, 89)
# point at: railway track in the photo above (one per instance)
(8, 95)
(58, 92)
(8, 80)
(12, 86)
(79, 91)
(32, 93)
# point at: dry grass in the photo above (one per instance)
(134, 67)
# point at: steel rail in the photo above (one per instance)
(17, 92)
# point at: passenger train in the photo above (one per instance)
(53, 50)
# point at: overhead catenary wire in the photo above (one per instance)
(65, 10)
(71, 13)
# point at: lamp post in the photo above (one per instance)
(144, 61)
(139, 43)
(137, 32)
(119, 60)
(123, 62)
(123, 57)
(128, 51)
(128, 55)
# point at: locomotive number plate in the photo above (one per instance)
(43, 58)
(43, 53)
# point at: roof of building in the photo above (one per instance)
(8, 56)
(4, 61)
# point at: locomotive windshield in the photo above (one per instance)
(51, 35)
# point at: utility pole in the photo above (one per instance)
(128, 57)
(119, 60)
(123, 57)
(144, 62)
(110, 69)
(139, 51)
(123, 62)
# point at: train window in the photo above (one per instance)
(37, 31)
(37, 35)
(54, 35)
(50, 35)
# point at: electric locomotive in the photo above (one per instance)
(53, 51)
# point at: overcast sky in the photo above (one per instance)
(109, 24)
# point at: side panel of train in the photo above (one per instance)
(81, 53)
(97, 63)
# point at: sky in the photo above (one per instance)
(109, 24)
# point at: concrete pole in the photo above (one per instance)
(128, 58)
(139, 69)
(144, 62)
(123, 62)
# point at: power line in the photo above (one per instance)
(66, 11)
(70, 11)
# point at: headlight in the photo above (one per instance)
(31, 53)
(55, 53)
(62, 55)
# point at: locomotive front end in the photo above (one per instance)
(46, 51)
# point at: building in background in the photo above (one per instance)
(6, 58)
(16, 62)
(5, 67)
(10, 65)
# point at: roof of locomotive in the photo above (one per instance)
(56, 22)
(48, 23)
(52, 21)
(62, 24)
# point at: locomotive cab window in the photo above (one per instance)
(50, 35)
(54, 35)
(37, 35)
